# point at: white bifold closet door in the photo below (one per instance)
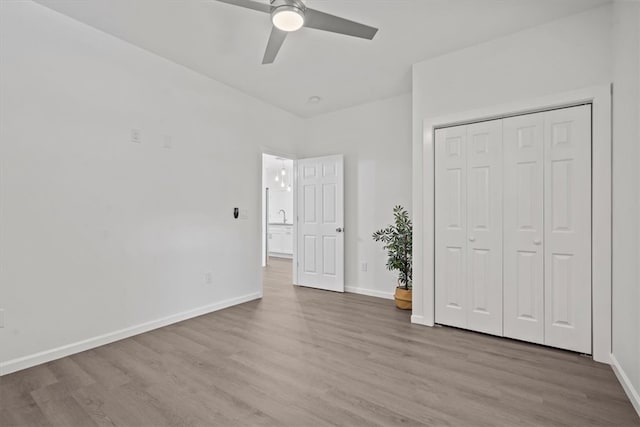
(451, 226)
(513, 227)
(567, 217)
(469, 226)
(547, 233)
(524, 227)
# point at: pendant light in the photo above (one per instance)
(281, 177)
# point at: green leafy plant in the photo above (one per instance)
(398, 239)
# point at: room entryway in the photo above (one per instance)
(303, 218)
(278, 213)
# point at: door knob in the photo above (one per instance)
(339, 229)
(537, 241)
(472, 239)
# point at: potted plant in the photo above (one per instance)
(397, 240)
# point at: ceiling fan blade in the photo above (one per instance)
(262, 7)
(325, 22)
(273, 46)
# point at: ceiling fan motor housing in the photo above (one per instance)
(295, 3)
(287, 16)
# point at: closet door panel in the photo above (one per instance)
(451, 222)
(524, 227)
(568, 228)
(484, 224)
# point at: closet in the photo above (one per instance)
(513, 227)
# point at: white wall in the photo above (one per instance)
(99, 234)
(626, 193)
(375, 139)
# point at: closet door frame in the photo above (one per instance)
(424, 204)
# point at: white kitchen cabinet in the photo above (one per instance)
(281, 240)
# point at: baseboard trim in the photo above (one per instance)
(368, 292)
(628, 387)
(80, 346)
(419, 320)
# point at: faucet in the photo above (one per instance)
(284, 216)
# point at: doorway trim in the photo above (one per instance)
(262, 225)
(424, 251)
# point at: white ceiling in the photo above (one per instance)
(227, 42)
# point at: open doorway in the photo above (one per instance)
(278, 210)
(303, 219)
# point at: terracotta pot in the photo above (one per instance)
(403, 298)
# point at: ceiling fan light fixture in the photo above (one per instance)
(288, 18)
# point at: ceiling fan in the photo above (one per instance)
(291, 15)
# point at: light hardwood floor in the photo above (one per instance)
(303, 357)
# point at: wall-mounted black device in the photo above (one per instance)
(236, 212)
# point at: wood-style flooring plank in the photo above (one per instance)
(304, 357)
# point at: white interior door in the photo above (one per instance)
(321, 223)
(451, 226)
(484, 227)
(567, 215)
(524, 227)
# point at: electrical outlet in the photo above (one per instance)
(1, 317)
(363, 266)
(136, 136)
(208, 278)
